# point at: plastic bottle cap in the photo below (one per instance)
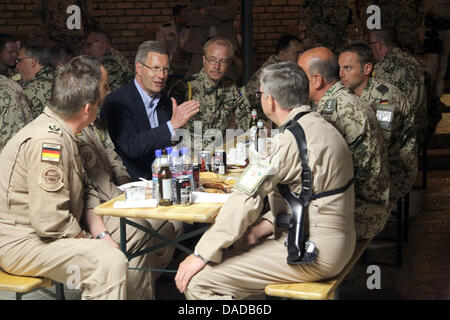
(158, 153)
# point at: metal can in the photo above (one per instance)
(183, 190)
(196, 175)
(205, 161)
(220, 162)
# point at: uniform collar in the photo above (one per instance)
(292, 114)
(63, 125)
(43, 73)
(389, 54)
(110, 52)
(330, 92)
(368, 86)
(273, 59)
(209, 86)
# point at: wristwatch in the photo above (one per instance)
(199, 256)
(103, 234)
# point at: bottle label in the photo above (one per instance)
(166, 189)
(185, 195)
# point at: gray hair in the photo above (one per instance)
(287, 83)
(41, 54)
(220, 41)
(149, 46)
(75, 85)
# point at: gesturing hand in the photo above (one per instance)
(182, 113)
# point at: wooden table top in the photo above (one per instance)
(197, 212)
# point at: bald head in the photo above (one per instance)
(322, 69)
(321, 61)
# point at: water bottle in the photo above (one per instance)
(169, 154)
(155, 170)
(176, 169)
(260, 137)
(187, 165)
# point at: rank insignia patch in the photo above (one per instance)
(51, 152)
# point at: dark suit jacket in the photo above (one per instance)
(130, 130)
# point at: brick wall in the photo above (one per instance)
(130, 22)
(18, 17)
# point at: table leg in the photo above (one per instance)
(123, 236)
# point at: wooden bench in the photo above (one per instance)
(22, 285)
(321, 290)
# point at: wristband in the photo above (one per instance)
(103, 234)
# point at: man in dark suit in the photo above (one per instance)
(141, 118)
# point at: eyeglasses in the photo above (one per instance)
(213, 60)
(156, 70)
(258, 94)
(89, 44)
(18, 60)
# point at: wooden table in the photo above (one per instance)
(199, 212)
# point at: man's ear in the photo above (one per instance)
(34, 62)
(86, 109)
(317, 81)
(367, 69)
(138, 68)
(271, 102)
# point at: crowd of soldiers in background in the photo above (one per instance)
(373, 93)
(28, 71)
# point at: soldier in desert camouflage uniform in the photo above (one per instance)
(357, 123)
(287, 49)
(98, 44)
(403, 71)
(218, 96)
(15, 110)
(394, 115)
(37, 76)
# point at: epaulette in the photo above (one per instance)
(330, 106)
(382, 89)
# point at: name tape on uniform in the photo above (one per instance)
(253, 176)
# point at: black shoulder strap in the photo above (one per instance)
(306, 193)
(299, 134)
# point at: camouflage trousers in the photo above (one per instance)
(370, 219)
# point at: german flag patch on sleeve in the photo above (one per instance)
(51, 152)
